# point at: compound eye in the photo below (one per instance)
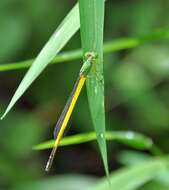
(90, 55)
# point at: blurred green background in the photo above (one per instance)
(136, 92)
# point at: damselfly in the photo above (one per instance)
(67, 111)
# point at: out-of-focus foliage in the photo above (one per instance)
(73, 182)
(136, 91)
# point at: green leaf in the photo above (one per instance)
(130, 158)
(62, 57)
(131, 178)
(62, 35)
(127, 178)
(73, 182)
(132, 139)
(91, 26)
(111, 46)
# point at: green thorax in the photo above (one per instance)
(89, 58)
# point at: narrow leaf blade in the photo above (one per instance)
(134, 177)
(129, 138)
(91, 25)
(61, 36)
(111, 46)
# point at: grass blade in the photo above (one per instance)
(62, 35)
(112, 46)
(59, 182)
(91, 25)
(132, 139)
(128, 178)
(135, 176)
